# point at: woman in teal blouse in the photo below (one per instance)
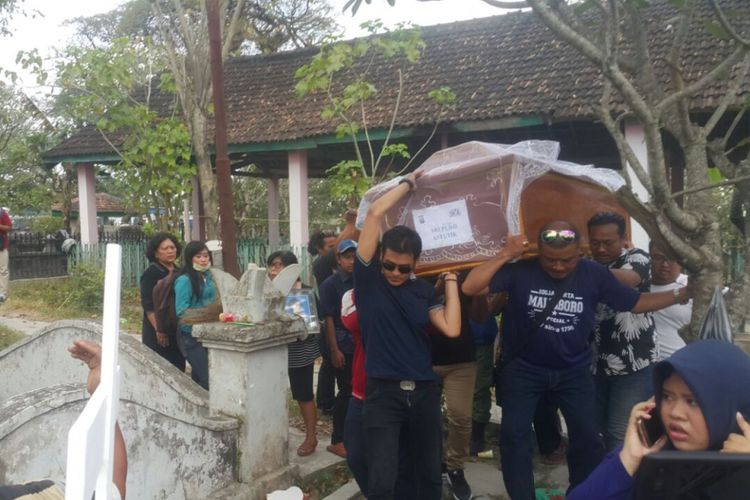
(195, 300)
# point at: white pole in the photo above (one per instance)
(91, 439)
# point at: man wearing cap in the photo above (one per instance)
(338, 338)
(548, 319)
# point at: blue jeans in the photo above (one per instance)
(404, 437)
(615, 397)
(571, 390)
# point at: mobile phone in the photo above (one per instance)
(650, 430)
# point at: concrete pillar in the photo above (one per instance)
(186, 220)
(298, 216)
(248, 376)
(273, 211)
(87, 203)
(635, 136)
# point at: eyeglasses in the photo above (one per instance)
(391, 266)
(566, 235)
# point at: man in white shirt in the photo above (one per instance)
(666, 274)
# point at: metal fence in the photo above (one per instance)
(134, 257)
(36, 255)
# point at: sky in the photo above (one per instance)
(46, 31)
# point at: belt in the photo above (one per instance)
(404, 385)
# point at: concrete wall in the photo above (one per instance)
(176, 448)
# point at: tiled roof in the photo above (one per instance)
(499, 67)
(104, 203)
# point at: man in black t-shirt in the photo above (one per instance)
(402, 396)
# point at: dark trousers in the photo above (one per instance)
(197, 356)
(403, 429)
(341, 404)
(547, 426)
(326, 392)
(571, 390)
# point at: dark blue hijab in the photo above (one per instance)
(718, 375)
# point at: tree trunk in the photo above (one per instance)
(206, 175)
(707, 239)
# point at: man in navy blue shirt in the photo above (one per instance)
(338, 339)
(402, 396)
(556, 358)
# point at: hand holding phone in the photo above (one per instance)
(650, 430)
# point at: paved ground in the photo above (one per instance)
(21, 322)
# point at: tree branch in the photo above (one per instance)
(705, 81)
(728, 97)
(728, 27)
(500, 4)
(393, 117)
(728, 182)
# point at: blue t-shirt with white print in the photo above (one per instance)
(563, 338)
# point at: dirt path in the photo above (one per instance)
(21, 322)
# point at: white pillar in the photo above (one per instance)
(298, 217)
(273, 211)
(87, 203)
(186, 219)
(636, 138)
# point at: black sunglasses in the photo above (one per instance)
(390, 266)
(566, 235)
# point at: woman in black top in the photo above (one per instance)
(162, 252)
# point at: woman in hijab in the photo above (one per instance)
(701, 395)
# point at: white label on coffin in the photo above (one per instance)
(443, 225)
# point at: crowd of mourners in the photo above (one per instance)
(594, 340)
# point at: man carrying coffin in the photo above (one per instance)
(549, 316)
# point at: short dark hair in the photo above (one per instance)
(603, 218)
(557, 242)
(156, 241)
(317, 241)
(287, 258)
(401, 239)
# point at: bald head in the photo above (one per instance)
(558, 234)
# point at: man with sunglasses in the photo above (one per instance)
(548, 319)
(402, 396)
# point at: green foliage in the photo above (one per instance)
(8, 337)
(86, 287)
(111, 89)
(46, 224)
(342, 73)
(347, 181)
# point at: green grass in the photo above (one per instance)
(9, 337)
(53, 299)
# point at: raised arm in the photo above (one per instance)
(448, 319)
(370, 235)
(349, 231)
(478, 280)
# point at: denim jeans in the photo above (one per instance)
(403, 431)
(572, 390)
(615, 397)
(547, 426)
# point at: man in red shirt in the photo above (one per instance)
(5, 227)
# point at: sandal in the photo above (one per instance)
(306, 448)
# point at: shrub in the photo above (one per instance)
(46, 224)
(86, 287)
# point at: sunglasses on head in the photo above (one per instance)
(567, 235)
(390, 266)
